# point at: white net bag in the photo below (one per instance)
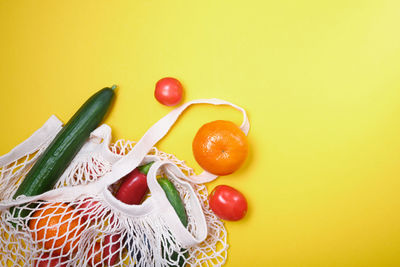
(81, 223)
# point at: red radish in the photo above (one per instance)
(134, 186)
(105, 252)
(46, 261)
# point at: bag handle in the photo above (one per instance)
(156, 133)
(179, 231)
(39, 138)
(126, 163)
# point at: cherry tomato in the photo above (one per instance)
(228, 203)
(168, 91)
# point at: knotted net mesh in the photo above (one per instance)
(89, 232)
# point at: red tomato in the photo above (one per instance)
(46, 261)
(94, 255)
(228, 203)
(111, 248)
(89, 171)
(105, 252)
(133, 188)
(89, 208)
(168, 91)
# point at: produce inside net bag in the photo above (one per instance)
(81, 223)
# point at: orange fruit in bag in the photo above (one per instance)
(56, 227)
(220, 147)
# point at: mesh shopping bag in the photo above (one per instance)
(81, 223)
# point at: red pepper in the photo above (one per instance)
(134, 187)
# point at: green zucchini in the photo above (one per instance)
(177, 203)
(59, 154)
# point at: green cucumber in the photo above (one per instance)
(61, 151)
(177, 203)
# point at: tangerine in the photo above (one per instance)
(56, 227)
(220, 147)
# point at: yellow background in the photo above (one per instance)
(319, 79)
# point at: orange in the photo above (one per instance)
(220, 147)
(56, 227)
